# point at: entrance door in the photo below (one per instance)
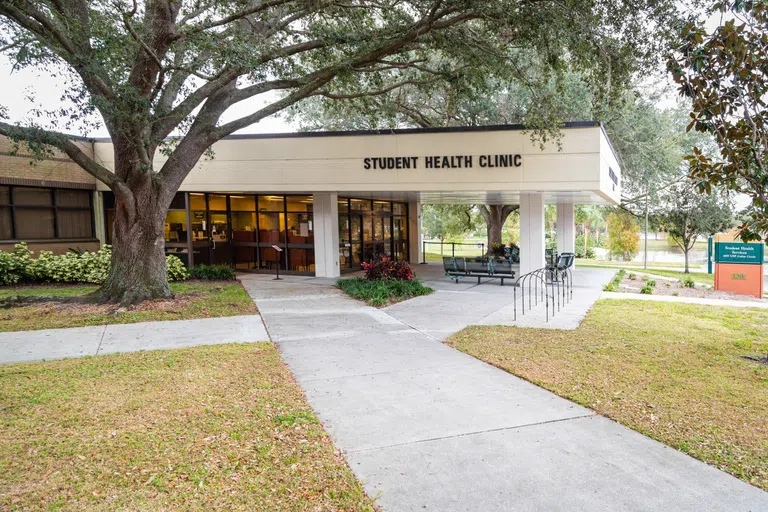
(221, 249)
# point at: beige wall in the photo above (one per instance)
(335, 163)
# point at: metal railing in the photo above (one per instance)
(450, 249)
(539, 283)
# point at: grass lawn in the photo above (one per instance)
(194, 299)
(632, 264)
(671, 371)
(380, 293)
(221, 427)
(698, 277)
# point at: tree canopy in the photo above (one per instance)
(725, 73)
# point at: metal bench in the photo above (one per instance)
(457, 268)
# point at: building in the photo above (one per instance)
(330, 200)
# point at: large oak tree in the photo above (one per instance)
(155, 68)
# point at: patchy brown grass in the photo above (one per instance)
(674, 372)
(209, 428)
(194, 299)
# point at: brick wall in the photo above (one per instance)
(56, 171)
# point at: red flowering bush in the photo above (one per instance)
(387, 268)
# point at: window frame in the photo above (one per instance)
(52, 207)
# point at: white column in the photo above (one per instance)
(531, 232)
(566, 229)
(99, 221)
(414, 232)
(326, 218)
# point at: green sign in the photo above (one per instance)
(737, 252)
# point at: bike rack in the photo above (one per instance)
(539, 284)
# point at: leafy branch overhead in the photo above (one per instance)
(725, 73)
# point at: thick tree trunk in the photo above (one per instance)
(138, 269)
(687, 270)
(495, 215)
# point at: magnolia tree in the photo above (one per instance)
(155, 68)
(724, 73)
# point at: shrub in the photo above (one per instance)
(212, 272)
(71, 267)
(387, 268)
(382, 292)
(615, 282)
(688, 282)
(651, 283)
(647, 290)
(632, 276)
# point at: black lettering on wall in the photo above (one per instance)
(366, 163)
(518, 160)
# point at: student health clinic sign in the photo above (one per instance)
(739, 266)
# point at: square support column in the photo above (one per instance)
(531, 232)
(566, 228)
(326, 218)
(414, 232)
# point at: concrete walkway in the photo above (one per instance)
(110, 339)
(426, 427)
(687, 300)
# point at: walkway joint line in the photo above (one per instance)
(478, 432)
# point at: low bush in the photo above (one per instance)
(688, 282)
(382, 292)
(646, 289)
(20, 265)
(387, 268)
(632, 276)
(212, 272)
(615, 282)
(651, 283)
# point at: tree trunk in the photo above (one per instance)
(495, 215)
(687, 271)
(586, 240)
(138, 271)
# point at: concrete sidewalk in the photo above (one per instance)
(109, 339)
(426, 427)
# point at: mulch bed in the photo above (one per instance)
(674, 288)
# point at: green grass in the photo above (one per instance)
(221, 427)
(194, 299)
(698, 277)
(380, 293)
(632, 264)
(671, 371)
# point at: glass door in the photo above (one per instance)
(221, 249)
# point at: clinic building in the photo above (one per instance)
(329, 200)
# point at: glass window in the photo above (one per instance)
(360, 205)
(301, 260)
(178, 203)
(217, 202)
(219, 227)
(300, 228)
(110, 221)
(270, 228)
(243, 227)
(357, 223)
(176, 226)
(6, 233)
(271, 204)
(242, 203)
(343, 205)
(399, 208)
(245, 257)
(344, 228)
(32, 196)
(73, 198)
(269, 258)
(401, 228)
(34, 223)
(199, 226)
(299, 203)
(382, 206)
(197, 202)
(74, 223)
(5, 195)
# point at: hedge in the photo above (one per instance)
(73, 267)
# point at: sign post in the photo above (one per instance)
(279, 258)
(739, 266)
(710, 247)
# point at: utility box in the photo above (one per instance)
(739, 266)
